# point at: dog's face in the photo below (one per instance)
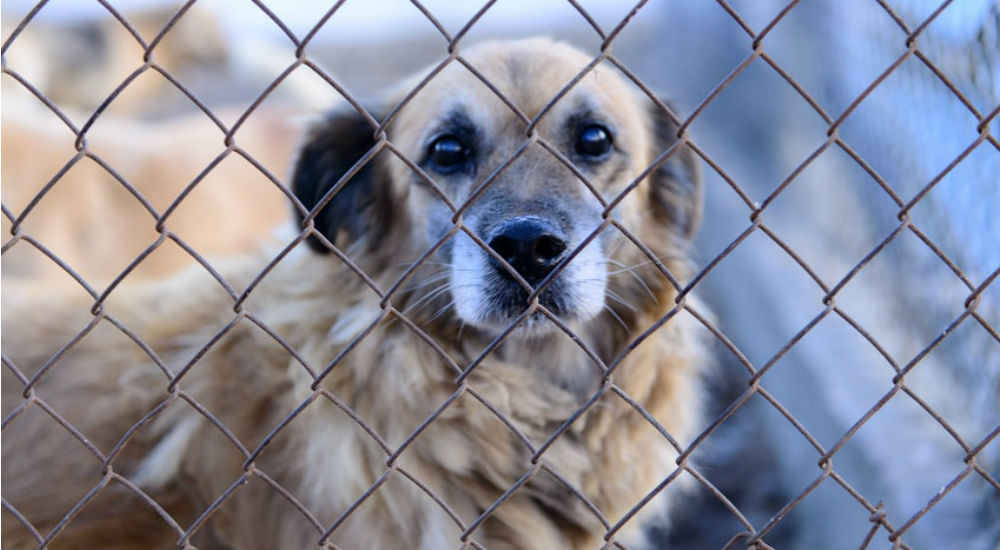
(511, 213)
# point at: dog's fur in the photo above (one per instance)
(93, 224)
(392, 373)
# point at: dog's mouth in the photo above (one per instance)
(496, 289)
(508, 301)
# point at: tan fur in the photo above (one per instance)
(97, 227)
(76, 62)
(392, 379)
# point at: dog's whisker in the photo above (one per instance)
(427, 282)
(433, 294)
(631, 271)
(616, 245)
(617, 298)
(444, 309)
(644, 285)
(615, 316)
(425, 261)
(427, 298)
(616, 263)
(424, 299)
(625, 267)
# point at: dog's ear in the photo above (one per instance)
(331, 149)
(675, 190)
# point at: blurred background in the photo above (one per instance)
(204, 121)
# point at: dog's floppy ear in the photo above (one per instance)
(332, 147)
(675, 190)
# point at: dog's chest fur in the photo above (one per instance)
(463, 444)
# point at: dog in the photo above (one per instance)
(93, 224)
(477, 339)
(76, 61)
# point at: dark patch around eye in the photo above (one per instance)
(454, 145)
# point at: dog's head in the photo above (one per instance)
(513, 214)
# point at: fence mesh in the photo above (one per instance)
(750, 533)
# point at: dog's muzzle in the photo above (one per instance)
(488, 286)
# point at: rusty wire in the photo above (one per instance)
(751, 535)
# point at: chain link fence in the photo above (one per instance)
(795, 369)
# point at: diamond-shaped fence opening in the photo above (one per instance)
(185, 366)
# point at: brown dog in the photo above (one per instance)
(382, 410)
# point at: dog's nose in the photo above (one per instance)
(532, 246)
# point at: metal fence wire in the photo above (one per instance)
(749, 533)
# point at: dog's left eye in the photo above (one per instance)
(448, 153)
(593, 141)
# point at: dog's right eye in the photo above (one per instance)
(448, 153)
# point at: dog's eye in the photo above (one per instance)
(448, 153)
(593, 141)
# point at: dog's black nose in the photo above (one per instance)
(532, 246)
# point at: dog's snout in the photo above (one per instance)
(532, 246)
